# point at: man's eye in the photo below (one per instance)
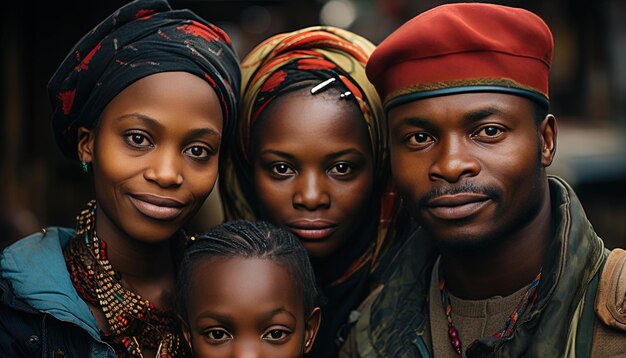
(282, 169)
(218, 335)
(276, 335)
(341, 169)
(489, 131)
(420, 139)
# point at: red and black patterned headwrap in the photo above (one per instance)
(292, 60)
(141, 38)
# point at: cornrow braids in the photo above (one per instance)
(249, 239)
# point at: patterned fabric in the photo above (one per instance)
(141, 38)
(280, 62)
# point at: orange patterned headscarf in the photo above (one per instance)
(318, 53)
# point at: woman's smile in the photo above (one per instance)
(156, 207)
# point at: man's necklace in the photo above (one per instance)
(509, 326)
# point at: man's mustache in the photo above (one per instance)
(492, 192)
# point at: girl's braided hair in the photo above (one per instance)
(249, 239)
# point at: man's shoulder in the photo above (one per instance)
(610, 303)
(609, 337)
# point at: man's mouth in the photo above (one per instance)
(457, 206)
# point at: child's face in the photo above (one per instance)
(313, 169)
(241, 307)
(154, 155)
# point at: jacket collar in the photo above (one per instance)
(399, 311)
(36, 270)
(573, 257)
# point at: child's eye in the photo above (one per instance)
(341, 169)
(282, 169)
(217, 335)
(198, 152)
(276, 335)
(138, 140)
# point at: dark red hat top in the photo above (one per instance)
(465, 47)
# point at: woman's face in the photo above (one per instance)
(154, 155)
(242, 307)
(313, 168)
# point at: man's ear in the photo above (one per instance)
(312, 325)
(86, 138)
(547, 136)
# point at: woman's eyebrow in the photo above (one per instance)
(144, 118)
(279, 153)
(343, 152)
(201, 132)
(194, 133)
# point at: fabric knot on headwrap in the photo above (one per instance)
(141, 38)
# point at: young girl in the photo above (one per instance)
(247, 289)
(312, 156)
(145, 101)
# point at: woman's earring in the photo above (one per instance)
(85, 166)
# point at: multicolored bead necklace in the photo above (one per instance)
(509, 326)
(134, 322)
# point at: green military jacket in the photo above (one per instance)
(560, 323)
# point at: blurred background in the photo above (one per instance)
(39, 187)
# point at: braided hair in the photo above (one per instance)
(249, 239)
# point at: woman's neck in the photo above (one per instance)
(328, 269)
(143, 266)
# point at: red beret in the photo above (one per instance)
(457, 48)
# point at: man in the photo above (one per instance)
(505, 262)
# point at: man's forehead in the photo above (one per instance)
(470, 106)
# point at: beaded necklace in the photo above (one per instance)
(509, 326)
(134, 322)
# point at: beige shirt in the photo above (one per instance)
(473, 319)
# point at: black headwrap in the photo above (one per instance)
(141, 38)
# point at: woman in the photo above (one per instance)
(145, 101)
(311, 156)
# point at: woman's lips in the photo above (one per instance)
(457, 207)
(312, 229)
(157, 208)
(312, 234)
